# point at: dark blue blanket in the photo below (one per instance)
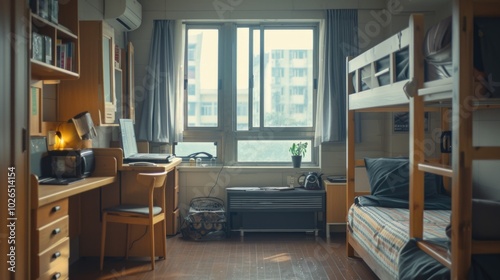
(415, 264)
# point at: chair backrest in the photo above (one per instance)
(155, 180)
(152, 181)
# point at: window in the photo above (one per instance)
(251, 86)
(202, 75)
(184, 149)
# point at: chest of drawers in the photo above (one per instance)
(50, 241)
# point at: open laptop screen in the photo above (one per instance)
(127, 132)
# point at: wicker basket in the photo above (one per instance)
(206, 219)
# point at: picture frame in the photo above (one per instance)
(401, 122)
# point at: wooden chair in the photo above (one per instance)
(147, 215)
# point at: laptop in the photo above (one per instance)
(40, 164)
(129, 146)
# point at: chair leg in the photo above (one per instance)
(164, 236)
(127, 242)
(152, 235)
(103, 239)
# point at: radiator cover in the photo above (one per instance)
(286, 210)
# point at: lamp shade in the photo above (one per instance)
(84, 126)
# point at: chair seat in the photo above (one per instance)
(134, 209)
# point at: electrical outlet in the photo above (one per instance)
(291, 180)
(51, 138)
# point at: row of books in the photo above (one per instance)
(47, 9)
(41, 47)
(42, 51)
(65, 55)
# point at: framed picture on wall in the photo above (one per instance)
(401, 121)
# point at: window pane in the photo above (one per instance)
(242, 77)
(202, 84)
(288, 78)
(183, 149)
(256, 78)
(269, 150)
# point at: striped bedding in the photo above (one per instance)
(382, 232)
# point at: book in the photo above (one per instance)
(37, 42)
(336, 179)
(53, 10)
(62, 56)
(47, 50)
(69, 56)
(118, 57)
(43, 9)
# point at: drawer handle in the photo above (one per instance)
(56, 276)
(56, 255)
(56, 208)
(56, 231)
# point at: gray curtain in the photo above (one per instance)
(158, 109)
(340, 40)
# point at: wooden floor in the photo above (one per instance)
(254, 256)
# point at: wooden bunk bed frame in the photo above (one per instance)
(453, 93)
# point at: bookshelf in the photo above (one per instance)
(54, 43)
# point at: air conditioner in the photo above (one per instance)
(128, 13)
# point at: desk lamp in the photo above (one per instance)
(85, 128)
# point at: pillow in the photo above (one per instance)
(390, 177)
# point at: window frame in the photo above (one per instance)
(208, 26)
(226, 134)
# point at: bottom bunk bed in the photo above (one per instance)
(378, 226)
(378, 234)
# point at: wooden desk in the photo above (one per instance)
(51, 193)
(55, 219)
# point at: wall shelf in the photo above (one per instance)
(55, 44)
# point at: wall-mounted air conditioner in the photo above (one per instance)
(128, 13)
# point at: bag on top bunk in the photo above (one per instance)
(437, 51)
(438, 54)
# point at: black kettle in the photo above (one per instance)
(313, 181)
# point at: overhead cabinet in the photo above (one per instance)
(94, 91)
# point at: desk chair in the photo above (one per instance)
(147, 215)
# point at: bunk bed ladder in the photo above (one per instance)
(463, 151)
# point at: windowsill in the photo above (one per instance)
(262, 168)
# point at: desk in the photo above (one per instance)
(55, 219)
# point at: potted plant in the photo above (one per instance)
(298, 150)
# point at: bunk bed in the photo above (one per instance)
(392, 77)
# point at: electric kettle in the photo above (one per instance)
(312, 181)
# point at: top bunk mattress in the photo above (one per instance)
(438, 66)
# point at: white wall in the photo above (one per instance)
(486, 132)
(377, 136)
